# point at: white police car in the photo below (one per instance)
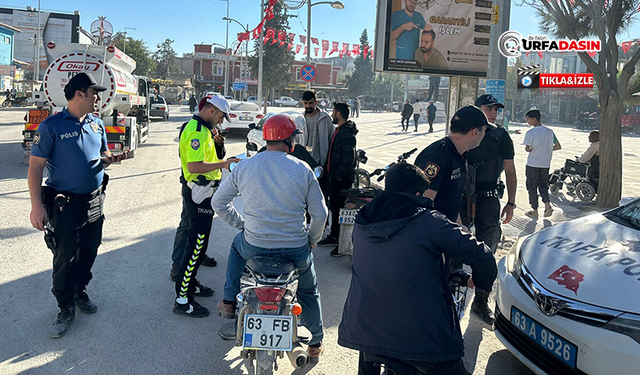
(255, 141)
(568, 298)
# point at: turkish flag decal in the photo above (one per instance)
(567, 277)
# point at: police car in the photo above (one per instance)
(255, 141)
(568, 298)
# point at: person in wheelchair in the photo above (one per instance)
(592, 156)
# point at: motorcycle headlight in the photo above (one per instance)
(627, 324)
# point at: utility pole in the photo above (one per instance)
(37, 62)
(406, 87)
(260, 61)
(497, 69)
(226, 61)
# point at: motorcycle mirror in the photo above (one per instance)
(318, 172)
(252, 125)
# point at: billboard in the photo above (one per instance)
(445, 37)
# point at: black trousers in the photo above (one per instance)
(336, 202)
(200, 217)
(537, 181)
(486, 221)
(73, 234)
(405, 123)
(431, 119)
(366, 366)
(415, 120)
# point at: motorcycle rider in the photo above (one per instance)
(398, 243)
(274, 220)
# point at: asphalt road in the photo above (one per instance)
(134, 331)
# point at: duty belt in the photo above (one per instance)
(214, 183)
(488, 193)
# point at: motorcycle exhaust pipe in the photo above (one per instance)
(298, 356)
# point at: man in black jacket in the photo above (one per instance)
(398, 243)
(340, 168)
(407, 111)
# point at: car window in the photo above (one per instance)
(157, 100)
(245, 106)
(259, 126)
(630, 213)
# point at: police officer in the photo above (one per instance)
(444, 161)
(69, 208)
(201, 171)
(494, 155)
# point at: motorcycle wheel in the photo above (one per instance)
(585, 191)
(264, 362)
(554, 188)
(362, 179)
(5, 103)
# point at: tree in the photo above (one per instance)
(277, 60)
(165, 58)
(604, 19)
(359, 83)
(137, 50)
(381, 87)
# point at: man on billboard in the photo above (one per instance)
(427, 55)
(405, 30)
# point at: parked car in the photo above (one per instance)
(286, 101)
(242, 114)
(567, 296)
(159, 107)
(255, 141)
(253, 99)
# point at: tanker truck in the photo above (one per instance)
(124, 106)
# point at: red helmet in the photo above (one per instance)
(279, 128)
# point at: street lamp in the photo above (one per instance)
(226, 61)
(246, 29)
(125, 38)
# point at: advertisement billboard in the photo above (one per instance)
(445, 37)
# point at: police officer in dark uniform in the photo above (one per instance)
(486, 163)
(444, 161)
(201, 171)
(72, 145)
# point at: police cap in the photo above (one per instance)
(469, 118)
(83, 81)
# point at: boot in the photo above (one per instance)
(481, 308)
(66, 316)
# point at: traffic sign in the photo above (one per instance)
(239, 86)
(307, 73)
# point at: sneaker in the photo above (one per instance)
(328, 241)
(202, 291)
(193, 309)
(66, 316)
(532, 213)
(548, 212)
(314, 352)
(227, 310)
(209, 261)
(84, 304)
(336, 254)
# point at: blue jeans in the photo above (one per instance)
(180, 241)
(302, 258)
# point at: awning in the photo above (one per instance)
(18, 62)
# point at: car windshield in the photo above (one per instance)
(245, 106)
(157, 100)
(630, 214)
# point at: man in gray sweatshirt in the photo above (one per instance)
(276, 188)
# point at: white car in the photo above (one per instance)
(242, 114)
(255, 141)
(568, 298)
(286, 101)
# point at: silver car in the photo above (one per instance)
(159, 108)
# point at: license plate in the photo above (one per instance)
(347, 216)
(267, 332)
(246, 118)
(552, 342)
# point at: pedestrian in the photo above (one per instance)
(271, 227)
(434, 85)
(540, 142)
(398, 247)
(407, 111)
(192, 103)
(319, 128)
(356, 107)
(482, 208)
(444, 161)
(431, 115)
(417, 110)
(72, 144)
(340, 169)
(182, 232)
(201, 170)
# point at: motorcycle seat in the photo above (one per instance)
(270, 267)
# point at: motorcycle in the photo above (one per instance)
(575, 177)
(268, 316)
(401, 159)
(363, 178)
(13, 102)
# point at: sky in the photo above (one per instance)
(200, 21)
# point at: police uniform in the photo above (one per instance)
(196, 145)
(488, 160)
(73, 197)
(446, 170)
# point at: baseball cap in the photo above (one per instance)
(488, 99)
(469, 118)
(221, 103)
(83, 81)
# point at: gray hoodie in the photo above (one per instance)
(317, 136)
(275, 188)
